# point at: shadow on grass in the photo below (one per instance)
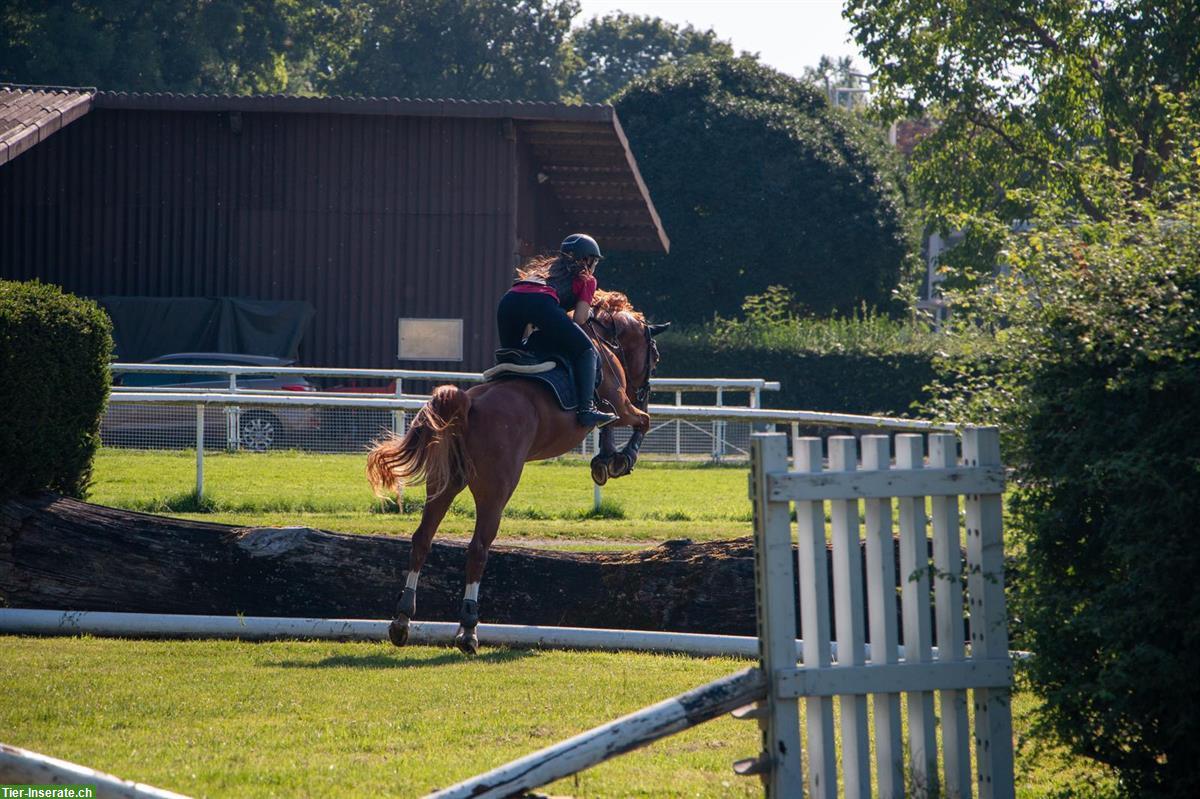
(380, 661)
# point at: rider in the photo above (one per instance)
(554, 294)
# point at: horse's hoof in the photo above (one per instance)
(467, 641)
(620, 465)
(599, 471)
(398, 631)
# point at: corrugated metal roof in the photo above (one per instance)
(580, 151)
(387, 106)
(28, 114)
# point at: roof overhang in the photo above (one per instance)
(591, 171)
(580, 151)
(30, 114)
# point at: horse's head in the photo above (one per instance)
(631, 339)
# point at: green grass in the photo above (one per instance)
(553, 502)
(223, 718)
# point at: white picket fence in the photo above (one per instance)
(879, 686)
(875, 681)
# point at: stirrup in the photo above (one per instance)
(590, 417)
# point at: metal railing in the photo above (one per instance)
(201, 402)
(349, 432)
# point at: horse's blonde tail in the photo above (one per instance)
(433, 450)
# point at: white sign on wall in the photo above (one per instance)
(431, 340)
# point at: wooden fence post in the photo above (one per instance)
(849, 621)
(814, 624)
(776, 615)
(918, 631)
(881, 611)
(948, 600)
(989, 635)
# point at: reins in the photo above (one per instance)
(612, 340)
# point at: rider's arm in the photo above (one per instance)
(581, 313)
(585, 288)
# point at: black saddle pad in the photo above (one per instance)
(560, 380)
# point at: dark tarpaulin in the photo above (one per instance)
(146, 327)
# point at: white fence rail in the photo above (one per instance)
(23, 767)
(657, 383)
(196, 411)
(896, 688)
(349, 430)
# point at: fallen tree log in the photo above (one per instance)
(61, 554)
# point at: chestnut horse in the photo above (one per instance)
(482, 438)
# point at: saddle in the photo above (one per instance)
(538, 363)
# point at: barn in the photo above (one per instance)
(394, 225)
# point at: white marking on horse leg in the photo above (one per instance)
(411, 582)
(472, 592)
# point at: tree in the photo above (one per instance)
(466, 49)
(616, 48)
(167, 45)
(758, 182)
(1025, 91)
(1091, 375)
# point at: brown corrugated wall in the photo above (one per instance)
(368, 218)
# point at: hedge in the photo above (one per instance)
(851, 382)
(54, 354)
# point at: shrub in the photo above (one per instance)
(865, 363)
(54, 353)
(1094, 380)
(758, 182)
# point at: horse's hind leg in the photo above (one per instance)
(432, 515)
(490, 500)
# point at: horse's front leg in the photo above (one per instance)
(422, 540)
(622, 462)
(601, 462)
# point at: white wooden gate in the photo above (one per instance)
(883, 686)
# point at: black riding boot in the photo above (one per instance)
(585, 389)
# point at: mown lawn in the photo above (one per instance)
(213, 718)
(553, 502)
(225, 718)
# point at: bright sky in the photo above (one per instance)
(787, 34)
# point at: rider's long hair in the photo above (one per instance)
(433, 451)
(547, 266)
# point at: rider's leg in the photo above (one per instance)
(585, 390)
(571, 340)
(513, 315)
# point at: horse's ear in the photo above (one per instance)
(656, 329)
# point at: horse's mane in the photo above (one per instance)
(614, 302)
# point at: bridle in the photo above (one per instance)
(608, 336)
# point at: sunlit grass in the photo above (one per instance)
(226, 718)
(554, 500)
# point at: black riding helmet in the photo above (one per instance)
(579, 246)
